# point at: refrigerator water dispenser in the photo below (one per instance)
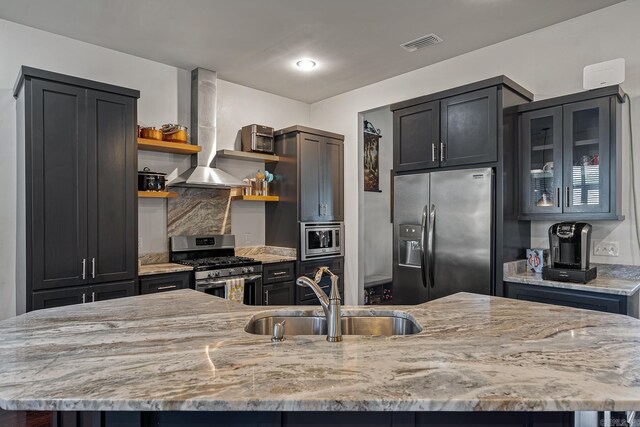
(409, 242)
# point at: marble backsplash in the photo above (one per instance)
(194, 211)
(199, 211)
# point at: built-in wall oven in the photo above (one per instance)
(321, 240)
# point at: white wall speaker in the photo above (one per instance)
(603, 74)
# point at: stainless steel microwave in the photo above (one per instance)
(321, 240)
(258, 138)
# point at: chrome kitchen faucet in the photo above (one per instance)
(330, 304)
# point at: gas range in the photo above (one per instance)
(214, 262)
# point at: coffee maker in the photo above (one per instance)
(570, 249)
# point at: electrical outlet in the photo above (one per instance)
(603, 248)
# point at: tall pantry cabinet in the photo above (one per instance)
(77, 198)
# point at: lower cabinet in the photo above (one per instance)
(278, 284)
(83, 294)
(608, 303)
(305, 295)
(165, 282)
(279, 294)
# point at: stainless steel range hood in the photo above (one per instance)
(203, 172)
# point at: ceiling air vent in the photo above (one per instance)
(420, 42)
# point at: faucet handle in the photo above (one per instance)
(335, 291)
(320, 271)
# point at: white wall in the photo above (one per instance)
(548, 62)
(164, 98)
(237, 106)
(378, 230)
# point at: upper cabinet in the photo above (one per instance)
(456, 127)
(569, 157)
(469, 128)
(77, 196)
(309, 181)
(416, 132)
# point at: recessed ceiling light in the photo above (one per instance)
(306, 64)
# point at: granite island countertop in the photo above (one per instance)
(185, 350)
(612, 278)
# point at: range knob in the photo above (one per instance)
(232, 271)
(245, 270)
(250, 269)
(214, 274)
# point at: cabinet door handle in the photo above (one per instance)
(442, 154)
(433, 152)
(266, 297)
(161, 288)
(320, 209)
(558, 197)
(567, 194)
(84, 297)
(93, 268)
(93, 297)
(84, 268)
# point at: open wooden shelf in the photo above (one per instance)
(256, 198)
(167, 147)
(157, 194)
(244, 155)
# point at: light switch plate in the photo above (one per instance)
(604, 248)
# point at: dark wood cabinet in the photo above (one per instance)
(112, 164)
(541, 156)
(58, 297)
(469, 128)
(451, 131)
(165, 282)
(279, 294)
(115, 290)
(417, 137)
(311, 186)
(305, 295)
(82, 294)
(570, 162)
(56, 178)
(333, 180)
(77, 199)
(321, 178)
(309, 179)
(278, 272)
(609, 303)
(278, 284)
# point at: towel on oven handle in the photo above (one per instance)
(234, 289)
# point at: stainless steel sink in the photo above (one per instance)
(383, 325)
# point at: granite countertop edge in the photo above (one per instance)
(515, 272)
(185, 350)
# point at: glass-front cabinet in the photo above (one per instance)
(570, 157)
(586, 156)
(541, 136)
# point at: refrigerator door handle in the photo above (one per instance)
(422, 244)
(430, 247)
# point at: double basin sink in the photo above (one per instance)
(310, 323)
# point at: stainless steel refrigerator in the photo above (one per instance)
(442, 234)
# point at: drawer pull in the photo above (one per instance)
(280, 273)
(162, 288)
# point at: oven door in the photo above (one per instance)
(216, 287)
(321, 240)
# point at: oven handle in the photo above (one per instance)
(206, 283)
